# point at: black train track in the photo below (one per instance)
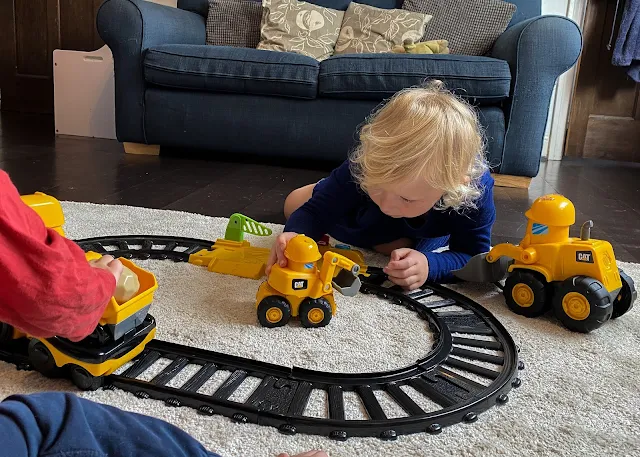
(472, 366)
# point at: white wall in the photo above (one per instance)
(555, 7)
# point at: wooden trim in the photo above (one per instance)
(142, 149)
(519, 182)
(565, 89)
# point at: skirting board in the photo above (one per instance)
(520, 182)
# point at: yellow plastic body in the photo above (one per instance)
(113, 314)
(117, 312)
(98, 369)
(302, 278)
(237, 258)
(48, 208)
(548, 249)
(351, 254)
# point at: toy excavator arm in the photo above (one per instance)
(494, 265)
(524, 255)
(347, 281)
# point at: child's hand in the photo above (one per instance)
(277, 251)
(306, 454)
(107, 262)
(407, 268)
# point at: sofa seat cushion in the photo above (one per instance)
(230, 69)
(378, 76)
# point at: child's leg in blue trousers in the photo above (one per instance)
(64, 425)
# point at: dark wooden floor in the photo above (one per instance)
(91, 170)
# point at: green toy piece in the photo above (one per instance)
(239, 224)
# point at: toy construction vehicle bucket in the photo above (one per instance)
(478, 269)
(347, 282)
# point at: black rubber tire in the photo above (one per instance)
(599, 300)
(85, 380)
(274, 301)
(42, 360)
(626, 297)
(6, 333)
(310, 303)
(540, 288)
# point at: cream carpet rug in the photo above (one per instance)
(579, 396)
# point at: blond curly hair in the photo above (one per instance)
(424, 133)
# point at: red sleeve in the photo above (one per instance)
(48, 287)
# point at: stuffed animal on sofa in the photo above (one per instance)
(423, 47)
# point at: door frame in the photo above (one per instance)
(563, 94)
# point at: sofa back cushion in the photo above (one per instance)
(526, 8)
(234, 23)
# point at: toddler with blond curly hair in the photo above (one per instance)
(418, 181)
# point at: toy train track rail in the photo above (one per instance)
(472, 366)
(146, 247)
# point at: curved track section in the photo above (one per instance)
(472, 366)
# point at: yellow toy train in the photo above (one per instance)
(577, 277)
(122, 333)
(303, 288)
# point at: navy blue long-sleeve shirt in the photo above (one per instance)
(63, 425)
(340, 208)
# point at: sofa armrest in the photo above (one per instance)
(538, 51)
(129, 28)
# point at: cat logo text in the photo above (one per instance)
(584, 256)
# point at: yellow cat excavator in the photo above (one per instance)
(302, 288)
(577, 277)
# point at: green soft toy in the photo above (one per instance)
(424, 47)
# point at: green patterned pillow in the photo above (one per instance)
(367, 29)
(300, 27)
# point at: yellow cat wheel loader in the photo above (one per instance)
(302, 289)
(576, 277)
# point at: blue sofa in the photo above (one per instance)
(174, 90)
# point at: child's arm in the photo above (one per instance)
(63, 424)
(338, 195)
(48, 287)
(470, 234)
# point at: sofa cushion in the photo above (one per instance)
(300, 27)
(379, 76)
(234, 23)
(228, 69)
(367, 29)
(470, 26)
(344, 4)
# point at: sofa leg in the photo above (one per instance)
(142, 149)
(520, 182)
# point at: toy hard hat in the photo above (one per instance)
(553, 210)
(302, 249)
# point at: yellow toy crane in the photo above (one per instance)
(302, 289)
(577, 277)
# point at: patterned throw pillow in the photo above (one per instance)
(367, 29)
(470, 26)
(234, 23)
(300, 27)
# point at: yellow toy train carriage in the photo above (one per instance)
(121, 334)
